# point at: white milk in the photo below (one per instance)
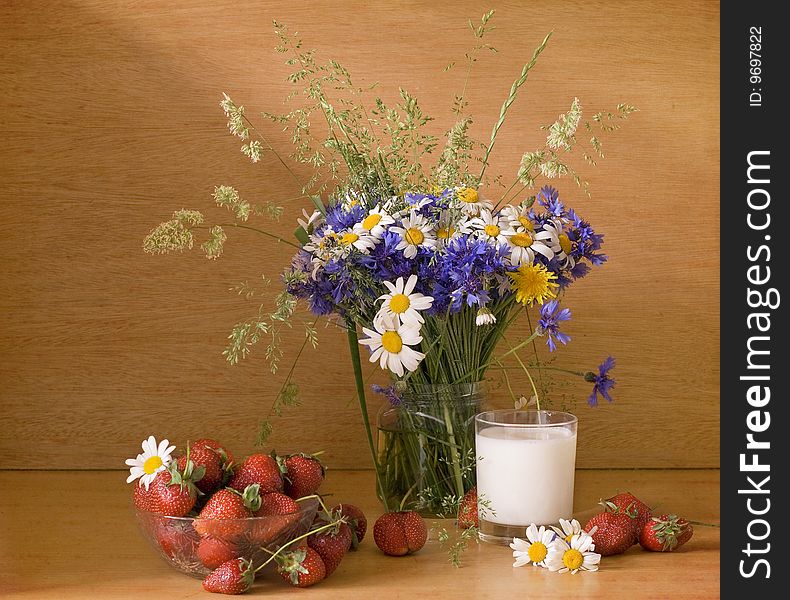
(526, 473)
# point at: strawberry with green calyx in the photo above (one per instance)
(304, 474)
(222, 514)
(262, 469)
(665, 533)
(174, 491)
(356, 519)
(400, 533)
(333, 543)
(232, 577)
(210, 461)
(628, 503)
(467, 510)
(612, 531)
(302, 567)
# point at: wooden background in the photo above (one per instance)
(110, 121)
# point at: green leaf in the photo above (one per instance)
(301, 235)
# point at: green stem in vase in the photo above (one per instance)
(353, 345)
(459, 483)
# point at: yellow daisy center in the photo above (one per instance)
(492, 230)
(468, 195)
(573, 559)
(533, 282)
(526, 223)
(414, 236)
(565, 243)
(349, 238)
(151, 464)
(524, 240)
(445, 233)
(400, 303)
(569, 537)
(371, 221)
(391, 341)
(537, 551)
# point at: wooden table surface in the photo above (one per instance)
(71, 534)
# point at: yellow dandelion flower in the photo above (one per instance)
(533, 283)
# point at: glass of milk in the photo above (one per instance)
(526, 462)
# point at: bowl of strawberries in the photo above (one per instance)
(201, 510)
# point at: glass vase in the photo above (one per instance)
(426, 445)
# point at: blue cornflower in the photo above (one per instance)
(602, 382)
(388, 392)
(550, 318)
(549, 199)
(344, 218)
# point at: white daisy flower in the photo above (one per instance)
(309, 221)
(568, 529)
(518, 217)
(362, 241)
(535, 549)
(402, 303)
(490, 227)
(524, 244)
(573, 557)
(390, 345)
(155, 458)
(523, 401)
(415, 233)
(323, 246)
(449, 227)
(375, 223)
(484, 317)
(559, 242)
(471, 203)
(352, 198)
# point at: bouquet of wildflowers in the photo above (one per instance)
(428, 258)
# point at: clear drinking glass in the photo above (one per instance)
(526, 462)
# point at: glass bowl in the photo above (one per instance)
(197, 546)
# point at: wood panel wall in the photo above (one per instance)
(110, 121)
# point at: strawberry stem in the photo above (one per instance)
(274, 555)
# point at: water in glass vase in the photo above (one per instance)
(426, 446)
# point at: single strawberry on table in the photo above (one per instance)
(261, 469)
(232, 577)
(223, 513)
(280, 512)
(628, 503)
(400, 533)
(304, 474)
(665, 533)
(173, 490)
(332, 544)
(467, 510)
(614, 532)
(302, 567)
(355, 519)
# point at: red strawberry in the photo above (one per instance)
(614, 534)
(224, 454)
(280, 512)
(332, 544)
(211, 463)
(302, 567)
(400, 533)
(212, 551)
(467, 510)
(232, 577)
(177, 541)
(665, 533)
(628, 503)
(356, 520)
(222, 514)
(143, 497)
(261, 469)
(304, 474)
(173, 490)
